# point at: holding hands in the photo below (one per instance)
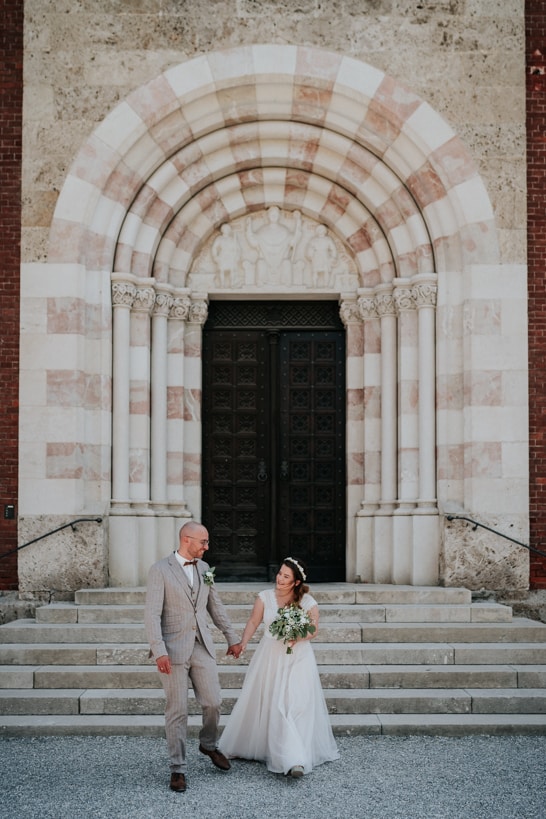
(235, 650)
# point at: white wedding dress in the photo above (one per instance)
(280, 717)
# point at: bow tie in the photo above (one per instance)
(190, 563)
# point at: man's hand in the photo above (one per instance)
(163, 664)
(235, 651)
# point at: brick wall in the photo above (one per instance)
(535, 19)
(11, 98)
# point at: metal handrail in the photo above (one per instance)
(476, 523)
(53, 531)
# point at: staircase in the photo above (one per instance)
(392, 660)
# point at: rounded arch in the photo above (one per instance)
(233, 113)
(236, 132)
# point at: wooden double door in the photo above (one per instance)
(274, 438)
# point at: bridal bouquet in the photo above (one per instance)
(290, 623)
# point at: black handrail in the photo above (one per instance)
(476, 523)
(53, 531)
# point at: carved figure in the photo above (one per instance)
(322, 253)
(226, 254)
(276, 246)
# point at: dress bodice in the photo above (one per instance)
(271, 606)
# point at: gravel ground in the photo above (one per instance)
(376, 777)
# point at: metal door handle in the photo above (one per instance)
(284, 470)
(262, 472)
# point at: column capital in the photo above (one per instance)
(123, 294)
(348, 311)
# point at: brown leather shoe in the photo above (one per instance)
(178, 782)
(217, 757)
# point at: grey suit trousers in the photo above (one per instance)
(201, 670)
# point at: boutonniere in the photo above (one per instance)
(208, 576)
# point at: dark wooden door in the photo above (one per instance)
(274, 438)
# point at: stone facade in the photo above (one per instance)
(398, 129)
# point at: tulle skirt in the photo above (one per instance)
(281, 717)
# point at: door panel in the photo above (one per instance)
(274, 447)
(312, 447)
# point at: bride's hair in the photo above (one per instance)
(299, 570)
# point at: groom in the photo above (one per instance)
(179, 594)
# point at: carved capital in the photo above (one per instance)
(385, 305)
(425, 295)
(367, 308)
(123, 294)
(144, 299)
(403, 298)
(162, 304)
(180, 308)
(348, 312)
(198, 312)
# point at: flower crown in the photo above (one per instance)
(295, 562)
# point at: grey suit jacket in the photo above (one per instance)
(173, 620)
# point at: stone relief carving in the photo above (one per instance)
(273, 249)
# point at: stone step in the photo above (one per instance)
(342, 725)
(50, 677)
(70, 613)
(326, 654)
(324, 593)
(338, 701)
(29, 631)
(518, 629)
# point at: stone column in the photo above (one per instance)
(158, 465)
(389, 399)
(354, 375)
(424, 293)
(176, 384)
(139, 417)
(123, 294)
(407, 396)
(192, 401)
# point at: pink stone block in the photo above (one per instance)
(154, 101)
(175, 469)
(426, 185)
(450, 462)
(455, 161)
(484, 389)
(192, 469)
(483, 460)
(355, 405)
(449, 391)
(175, 402)
(372, 402)
(355, 468)
(139, 398)
(66, 315)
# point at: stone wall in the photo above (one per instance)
(464, 57)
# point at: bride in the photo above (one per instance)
(280, 717)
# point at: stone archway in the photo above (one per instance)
(230, 134)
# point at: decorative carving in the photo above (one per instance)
(226, 254)
(385, 305)
(274, 249)
(144, 299)
(348, 312)
(276, 246)
(404, 299)
(180, 308)
(367, 308)
(123, 294)
(425, 295)
(198, 312)
(162, 304)
(322, 253)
